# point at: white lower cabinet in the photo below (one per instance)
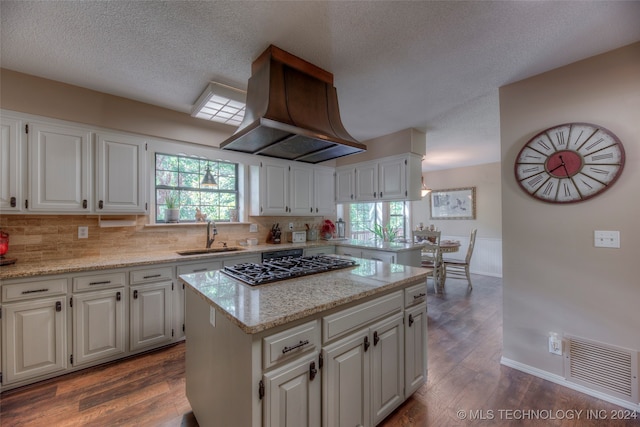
(364, 380)
(415, 354)
(150, 314)
(35, 338)
(292, 394)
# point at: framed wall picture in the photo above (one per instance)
(453, 203)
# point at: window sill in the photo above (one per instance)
(194, 224)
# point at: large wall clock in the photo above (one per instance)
(569, 163)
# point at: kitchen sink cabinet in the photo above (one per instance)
(99, 318)
(60, 168)
(34, 333)
(12, 161)
(121, 174)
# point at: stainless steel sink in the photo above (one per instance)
(201, 251)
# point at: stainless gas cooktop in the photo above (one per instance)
(272, 270)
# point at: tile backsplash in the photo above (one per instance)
(47, 237)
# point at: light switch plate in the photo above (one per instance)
(253, 228)
(83, 232)
(606, 239)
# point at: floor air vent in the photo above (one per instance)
(603, 367)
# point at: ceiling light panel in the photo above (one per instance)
(220, 103)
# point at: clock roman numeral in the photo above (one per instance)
(567, 189)
(535, 180)
(543, 145)
(601, 157)
(560, 138)
(548, 188)
(586, 183)
(598, 171)
(594, 144)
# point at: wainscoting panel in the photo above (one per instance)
(487, 254)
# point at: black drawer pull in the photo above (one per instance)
(152, 276)
(411, 320)
(118, 296)
(197, 270)
(58, 306)
(33, 291)
(135, 294)
(84, 204)
(100, 204)
(366, 343)
(13, 202)
(104, 282)
(293, 347)
(420, 295)
(376, 338)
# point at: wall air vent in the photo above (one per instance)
(602, 367)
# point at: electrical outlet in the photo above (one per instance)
(606, 239)
(290, 226)
(253, 228)
(83, 232)
(555, 344)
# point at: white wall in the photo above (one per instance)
(487, 256)
(554, 278)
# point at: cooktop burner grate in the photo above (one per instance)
(285, 268)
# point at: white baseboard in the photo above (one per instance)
(557, 379)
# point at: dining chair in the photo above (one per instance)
(430, 254)
(458, 268)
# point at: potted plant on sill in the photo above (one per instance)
(386, 233)
(172, 211)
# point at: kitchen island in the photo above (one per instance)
(339, 348)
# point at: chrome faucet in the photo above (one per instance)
(211, 235)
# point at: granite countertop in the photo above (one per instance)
(255, 309)
(31, 269)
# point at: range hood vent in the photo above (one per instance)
(292, 112)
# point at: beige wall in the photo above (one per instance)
(35, 95)
(401, 142)
(554, 277)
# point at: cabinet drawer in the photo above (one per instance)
(347, 251)
(98, 281)
(346, 321)
(30, 290)
(151, 275)
(415, 294)
(290, 343)
(199, 267)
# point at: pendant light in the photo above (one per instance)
(424, 191)
(208, 180)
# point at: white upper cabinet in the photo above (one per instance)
(324, 195)
(290, 188)
(11, 162)
(121, 174)
(59, 168)
(301, 185)
(390, 178)
(345, 184)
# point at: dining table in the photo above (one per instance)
(446, 247)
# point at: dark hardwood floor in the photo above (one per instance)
(465, 345)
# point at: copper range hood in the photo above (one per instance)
(292, 112)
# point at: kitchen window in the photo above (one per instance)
(182, 176)
(361, 218)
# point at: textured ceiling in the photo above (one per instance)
(435, 66)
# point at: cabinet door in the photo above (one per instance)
(345, 382)
(415, 353)
(367, 182)
(150, 307)
(301, 190)
(391, 179)
(34, 335)
(98, 325)
(11, 198)
(387, 367)
(274, 189)
(120, 174)
(345, 185)
(59, 168)
(292, 394)
(324, 192)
